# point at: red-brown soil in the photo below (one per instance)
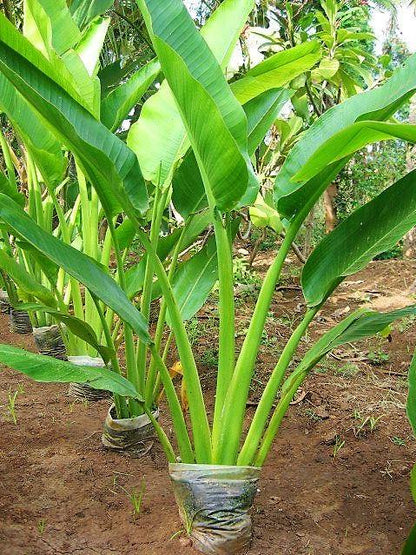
(62, 493)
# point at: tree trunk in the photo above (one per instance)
(330, 211)
(310, 221)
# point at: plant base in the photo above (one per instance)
(49, 342)
(213, 503)
(128, 434)
(85, 391)
(19, 321)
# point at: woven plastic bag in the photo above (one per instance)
(49, 342)
(85, 391)
(19, 321)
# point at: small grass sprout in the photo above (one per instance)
(365, 423)
(243, 274)
(41, 525)
(406, 323)
(348, 370)
(339, 444)
(398, 441)
(310, 413)
(136, 497)
(11, 405)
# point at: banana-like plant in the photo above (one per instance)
(194, 143)
(114, 108)
(45, 162)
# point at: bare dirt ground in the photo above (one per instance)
(335, 483)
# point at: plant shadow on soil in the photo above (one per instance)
(336, 482)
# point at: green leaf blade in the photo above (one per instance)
(377, 104)
(111, 166)
(357, 326)
(118, 103)
(75, 263)
(159, 137)
(276, 71)
(48, 369)
(199, 86)
(350, 140)
(370, 230)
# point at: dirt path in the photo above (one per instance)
(329, 487)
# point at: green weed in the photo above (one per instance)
(310, 413)
(210, 357)
(243, 273)
(135, 497)
(41, 525)
(377, 358)
(11, 406)
(348, 370)
(405, 324)
(398, 441)
(365, 423)
(339, 444)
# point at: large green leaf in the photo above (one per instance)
(413, 474)
(125, 234)
(350, 140)
(411, 397)
(135, 275)
(360, 324)
(39, 141)
(76, 326)
(376, 104)
(10, 190)
(276, 71)
(199, 87)
(49, 26)
(55, 70)
(118, 103)
(222, 29)
(370, 230)
(413, 479)
(76, 264)
(48, 369)
(188, 192)
(47, 266)
(261, 113)
(110, 165)
(114, 73)
(90, 46)
(159, 136)
(188, 189)
(410, 546)
(194, 280)
(367, 324)
(84, 11)
(87, 85)
(357, 326)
